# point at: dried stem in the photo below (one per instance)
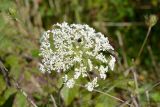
(153, 62)
(53, 100)
(3, 68)
(134, 101)
(155, 85)
(120, 40)
(148, 90)
(24, 93)
(148, 99)
(137, 58)
(119, 24)
(5, 74)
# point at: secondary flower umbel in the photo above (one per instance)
(77, 51)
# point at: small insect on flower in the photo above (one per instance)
(76, 50)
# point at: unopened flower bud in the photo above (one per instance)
(151, 20)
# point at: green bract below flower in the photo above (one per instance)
(78, 52)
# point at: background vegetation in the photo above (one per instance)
(123, 21)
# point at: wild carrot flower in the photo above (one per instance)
(77, 51)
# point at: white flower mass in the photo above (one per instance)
(77, 51)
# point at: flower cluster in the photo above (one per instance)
(77, 51)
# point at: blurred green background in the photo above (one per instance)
(122, 21)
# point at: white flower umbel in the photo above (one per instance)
(90, 85)
(112, 62)
(76, 50)
(70, 83)
(102, 71)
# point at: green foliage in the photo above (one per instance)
(2, 84)
(12, 62)
(102, 99)
(8, 95)
(69, 95)
(156, 96)
(22, 23)
(9, 101)
(5, 4)
(20, 101)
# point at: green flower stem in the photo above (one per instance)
(144, 42)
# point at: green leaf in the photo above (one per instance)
(9, 101)
(156, 96)
(6, 95)
(13, 62)
(35, 53)
(99, 105)
(2, 23)
(105, 101)
(20, 101)
(69, 94)
(5, 44)
(2, 84)
(5, 4)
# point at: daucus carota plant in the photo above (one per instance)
(78, 52)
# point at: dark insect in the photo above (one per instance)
(79, 40)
